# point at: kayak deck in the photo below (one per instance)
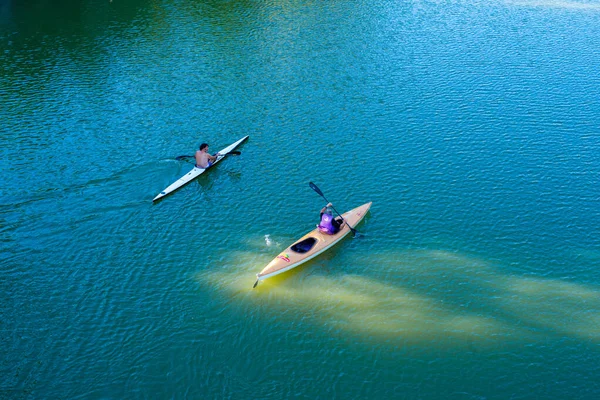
(195, 172)
(311, 245)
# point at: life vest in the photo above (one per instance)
(326, 225)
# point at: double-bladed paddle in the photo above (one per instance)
(316, 189)
(231, 153)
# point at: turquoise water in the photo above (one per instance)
(474, 127)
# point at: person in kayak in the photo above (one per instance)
(330, 225)
(203, 158)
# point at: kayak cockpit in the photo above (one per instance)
(304, 246)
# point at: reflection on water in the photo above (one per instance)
(430, 296)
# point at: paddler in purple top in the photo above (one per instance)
(330, 225)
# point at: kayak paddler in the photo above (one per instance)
(203, 158)
(329, 225)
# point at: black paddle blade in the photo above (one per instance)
(255, 283)
(315, 188)
(231, 153)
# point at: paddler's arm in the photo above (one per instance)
(213, 158)
(325, 208)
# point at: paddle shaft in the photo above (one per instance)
(231, 153)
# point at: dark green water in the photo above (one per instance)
(474, 127)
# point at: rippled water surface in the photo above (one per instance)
(473, 126)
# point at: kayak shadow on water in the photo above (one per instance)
(204, 183)
(427, 297)
(207, 181)
(236, 175)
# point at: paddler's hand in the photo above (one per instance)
(329, 204)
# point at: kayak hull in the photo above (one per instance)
(311, 245)
(196, 172)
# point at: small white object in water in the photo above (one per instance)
(268, 240)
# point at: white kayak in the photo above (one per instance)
(195, 172)
(311, 245)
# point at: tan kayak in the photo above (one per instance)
(311, 245)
